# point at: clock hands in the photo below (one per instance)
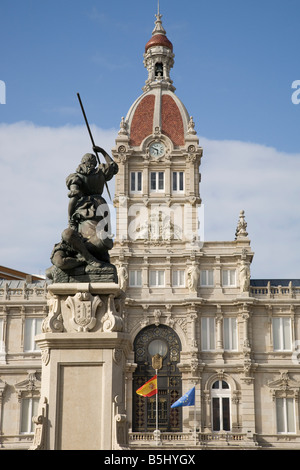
(157, 149)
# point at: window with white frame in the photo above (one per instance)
(32, 328)
(230, 334)
(178, 181)
(136, 178)
(135, 278)
(207, 333)
(220, 395)
(178, 278)
(206, 277)
(282, 335)
(29, 409)
(157, 181)
(285, 415)
(229, 277)
(156, 278)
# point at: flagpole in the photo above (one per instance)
(188, 399)
(157, 365)
(156, 372)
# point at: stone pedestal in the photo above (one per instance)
(84, 350)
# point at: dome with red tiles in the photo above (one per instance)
(159, 40)
(157, 108)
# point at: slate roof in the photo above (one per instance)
(274, 282)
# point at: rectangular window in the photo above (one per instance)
(178, 181)
(285, 415)
(157, 278)
(157, 181)
(228, 277)
(207, 277)
(207, 333)
(136, 181)
(230, 334)
(32, 328)
(178, 278)
(221, 414)
(216, 413)
(135, 278)
(282, 336)
(29, 408)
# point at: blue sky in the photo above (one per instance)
(235, 62)
(234, 66)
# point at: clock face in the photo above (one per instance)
(157, 149)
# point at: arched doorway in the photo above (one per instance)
(169, 380)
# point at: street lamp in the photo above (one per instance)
(158, 350)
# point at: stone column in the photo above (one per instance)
(84, 354)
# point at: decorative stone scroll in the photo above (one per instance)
(111, 320)
(40, 421)
(54, 321)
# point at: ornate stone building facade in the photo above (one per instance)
(192, 301)
(22, 309)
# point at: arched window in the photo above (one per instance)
(220, 398)
(159, 70)
(151, 340)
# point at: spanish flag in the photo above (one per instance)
(149, 388)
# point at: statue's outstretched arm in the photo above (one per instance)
(108, 159)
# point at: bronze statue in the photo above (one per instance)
(83, 253)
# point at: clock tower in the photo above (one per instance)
(157, 188)
(157, 239)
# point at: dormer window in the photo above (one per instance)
(159, 70)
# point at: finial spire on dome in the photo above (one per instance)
(159, 57)
(159, 29)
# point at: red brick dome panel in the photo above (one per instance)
(172, 124)
(142, 121)
(159, 40)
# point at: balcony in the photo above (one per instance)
(188, 440)
(276, 289)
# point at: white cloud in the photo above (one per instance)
(35, 161)
(265, 183)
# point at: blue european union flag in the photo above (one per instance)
(188, 399)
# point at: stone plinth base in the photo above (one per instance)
(84, 352)
(105, 273)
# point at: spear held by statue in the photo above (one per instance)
(95, 148)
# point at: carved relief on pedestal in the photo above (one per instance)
(111, 320)
(83, 307)
(54, 321)
(82, 312)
